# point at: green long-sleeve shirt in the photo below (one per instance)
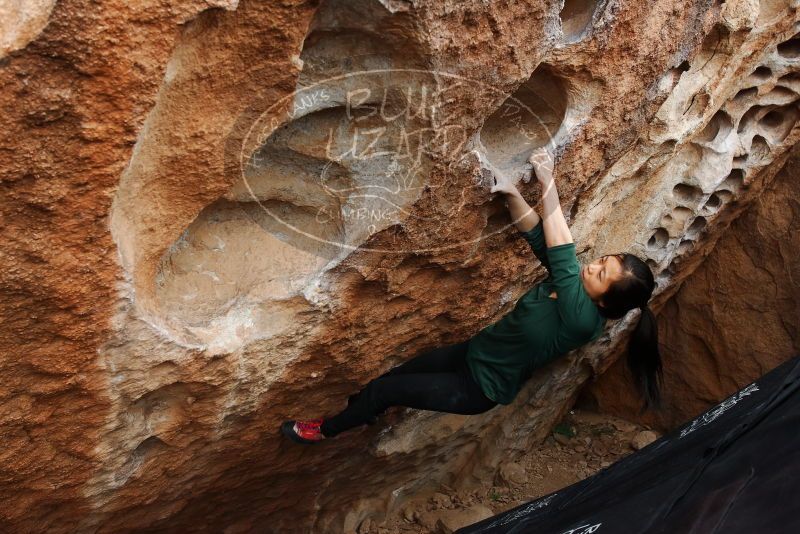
(539, 329)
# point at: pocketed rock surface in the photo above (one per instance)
(219, 215)
(733, 320)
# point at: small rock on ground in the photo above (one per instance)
(643, 439)
(451, 520)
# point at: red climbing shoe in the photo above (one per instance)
(307, 431)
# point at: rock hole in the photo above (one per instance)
(779, 122)
(759, 148)
(235, 273)
(723, 195)
(773, 119)
(576, 16)
(675, 221)
(573, 210)
(681, 214)
(718, 127)
(528, 119)
(696, 227)
(317, 187)
(790, 49)
(739, 162)
(779, 96)
(790, 81)
(686, 194)
(667, 147)
(652, 264)
(746, 94)
(667, 272)
(749, 118)
(347, 37)
(713, 203)
(659, 239)
(684, 246)
(496, 222)
(761, 74)
(734, 181)
(146, 449)
(684, 66)
(212, 265)
(339, 51)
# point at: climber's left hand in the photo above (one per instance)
(503, 185)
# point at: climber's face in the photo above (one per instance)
(598, 276)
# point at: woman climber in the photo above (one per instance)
(567, 310)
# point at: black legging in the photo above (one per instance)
(437, 380)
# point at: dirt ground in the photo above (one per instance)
(582, 444)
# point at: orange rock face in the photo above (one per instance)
(219, 215)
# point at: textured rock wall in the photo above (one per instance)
(733, 320)
(157, 325)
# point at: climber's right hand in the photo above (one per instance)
(542, 162)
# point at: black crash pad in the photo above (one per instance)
(733, 470)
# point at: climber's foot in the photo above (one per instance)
(307, 431)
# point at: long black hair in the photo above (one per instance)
(633, 290)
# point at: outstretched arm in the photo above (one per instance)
(556, 231)
(524, 217)
(565, 271)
